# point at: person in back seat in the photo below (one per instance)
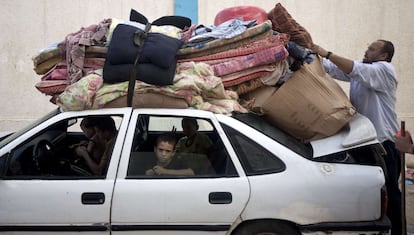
(167, 164)
(193, 142)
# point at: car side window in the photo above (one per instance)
(61, 151)
(199, 151)
(254, 158)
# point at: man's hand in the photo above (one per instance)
(404, 143)
(319, 50)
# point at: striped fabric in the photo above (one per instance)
(219, 45)
(249, 48)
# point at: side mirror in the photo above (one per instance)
(72, 122)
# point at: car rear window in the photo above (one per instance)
(273, 132)
(254, 158)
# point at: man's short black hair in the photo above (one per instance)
(388, 48)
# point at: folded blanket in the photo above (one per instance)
(283, 22)
(51, 56)
(52, 87)
(280, 71)
(268, 75)
(47, 65)
(56, 80)
(263, 57)
(194, 83)
(51, 51)
(247, 87)
(248, 48)
(75, 45)
(219, 45)
(245, 78)
(148, 100)
(248, 74)
(60, 71)
(90, 93)
(80, 95)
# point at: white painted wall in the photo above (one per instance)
(344, 27)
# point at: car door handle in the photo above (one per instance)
(93, 198)
(220, 198)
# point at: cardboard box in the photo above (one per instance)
(309, 105)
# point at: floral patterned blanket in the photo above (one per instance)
(194, 82)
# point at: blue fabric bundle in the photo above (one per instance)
(156, 63)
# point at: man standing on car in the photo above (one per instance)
(373, 86)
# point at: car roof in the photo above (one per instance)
(358, 132)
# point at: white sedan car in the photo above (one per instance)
(255, 179)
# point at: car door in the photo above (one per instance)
(53, 202)
(205, 203)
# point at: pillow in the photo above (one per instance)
(247, 13)
(283, 22)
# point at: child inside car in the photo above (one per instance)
(167, 163)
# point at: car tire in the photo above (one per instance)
(267, 228)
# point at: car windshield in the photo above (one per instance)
(30, 126)
(273, 132)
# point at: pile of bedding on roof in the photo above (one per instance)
(250, 60)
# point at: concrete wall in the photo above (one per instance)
(344, 27)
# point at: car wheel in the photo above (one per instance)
(267, 228)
